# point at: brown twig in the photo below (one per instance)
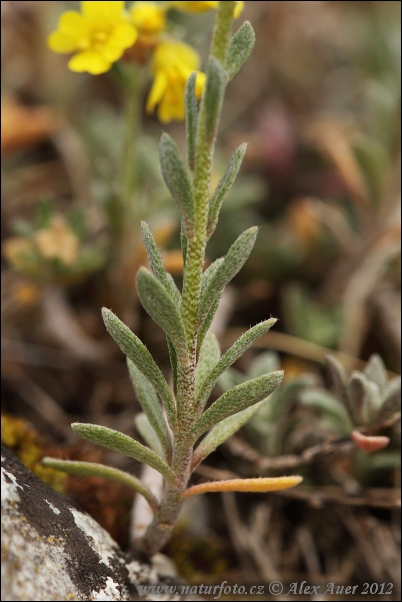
(240, 448)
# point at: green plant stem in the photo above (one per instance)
(160, 530)
(201, 186)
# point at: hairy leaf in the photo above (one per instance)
(231, 355)
(161, 306)
(149, 402)
(136, 351)
(123, 444)
(214, 92)
(237, 399)
(207, 323)
(177, 179)
(190, 102)
(222, 431)
(240, 47)
(91, 469)
(154, 256)
(226, 270)
(209, 357)
(149, 435)
(223, 187)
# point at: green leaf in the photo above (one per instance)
(136, 351)
(207, 323)
(162, 308)
(375, 371)
(148, 434)
(365, 398)
(229, 358)
(222, 431)
(177, 180)
(240, 47)
(226, 270)
(338, 377)
(173, 362)
(214, 92)
(190, 102)
(391, 398)
(154, 256)
(91, 469)
(149, 402)
(209, 357)
(123, 444)
(223, 187)
(241, 397)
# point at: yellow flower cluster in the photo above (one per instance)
(101, 33)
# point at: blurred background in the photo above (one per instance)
(318, 103)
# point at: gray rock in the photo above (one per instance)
(52, 550)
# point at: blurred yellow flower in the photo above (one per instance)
(200, 7)
(172, 64)
(57, 241)
(99, 36)
(147, 17)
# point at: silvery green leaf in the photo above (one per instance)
(231, 355)
(222, 431)
(223, 187)
(339, 379)
(241, 397)
(149, 402)
(160, 305)
(209, 357)
(190, 102)
(174, 291)
(365, 398)
(136, 351)
(213, 96)
(376, 371)
(148, 434)
(327, 403)
(177, 179)
(227, 269)
(123, 444)
(240, 47)
(207, 322)
(391, 399)
(154, 256)
(91, 469)
(173, 362)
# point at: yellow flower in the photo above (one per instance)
(99, 36)
(172, 64)
(147, 17)
(200, 7)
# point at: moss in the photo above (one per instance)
(28, 445)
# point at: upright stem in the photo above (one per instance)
(160, 530)
(201, 187)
